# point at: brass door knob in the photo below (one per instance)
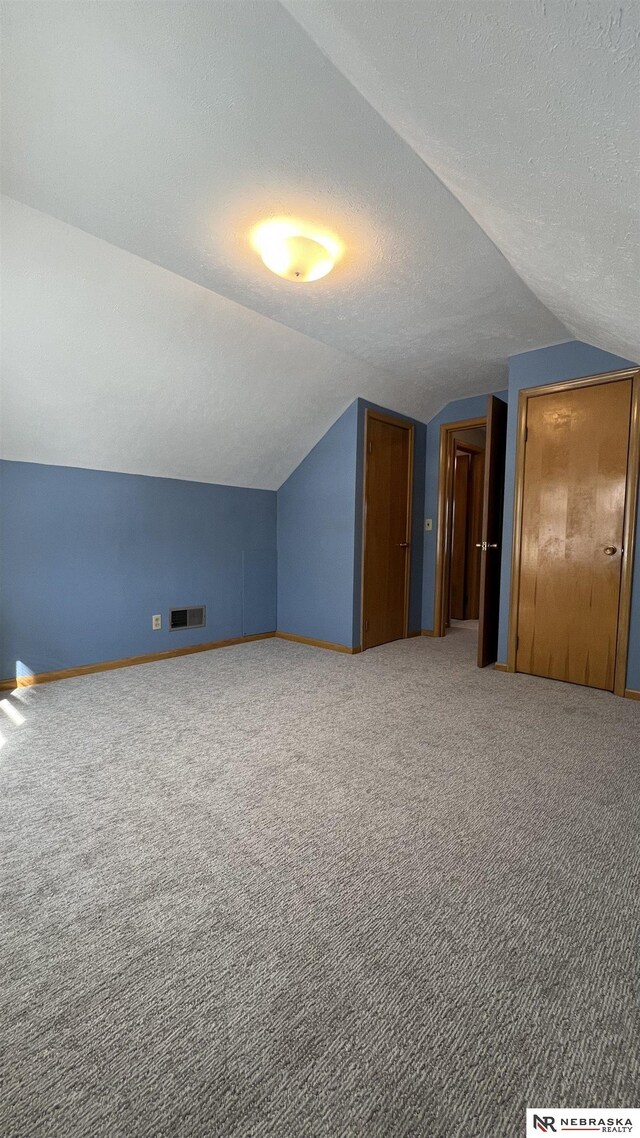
(610, 550)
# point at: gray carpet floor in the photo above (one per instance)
(275, 892)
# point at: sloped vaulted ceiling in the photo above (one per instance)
(530, 113)
(142, 141)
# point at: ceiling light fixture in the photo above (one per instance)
(294, 250)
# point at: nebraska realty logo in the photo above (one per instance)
(582, 1120)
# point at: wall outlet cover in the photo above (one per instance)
(156, 622)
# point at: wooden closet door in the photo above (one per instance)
(387, 530)
(575, 469)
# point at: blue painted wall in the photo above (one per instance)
(531, 369)
(472, 408)
(316, 538)
(89, 556)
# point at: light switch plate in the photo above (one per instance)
(428, 525)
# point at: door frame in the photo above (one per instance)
(630, 509)
(445, 508)
(406, 424)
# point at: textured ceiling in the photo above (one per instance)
(155, 342)
(118, 364)
(530, 113)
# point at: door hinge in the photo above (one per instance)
(369, 447)
(366, 625)
(526, 434)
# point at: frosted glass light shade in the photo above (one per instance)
(295, 251)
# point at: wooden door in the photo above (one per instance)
(575, 469)
(459, 527)
(387, 529)
(491, 534)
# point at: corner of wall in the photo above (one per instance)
(316, 528)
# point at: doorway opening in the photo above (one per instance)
(470, 493)
(466, 524)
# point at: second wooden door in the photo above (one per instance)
(387, 529)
